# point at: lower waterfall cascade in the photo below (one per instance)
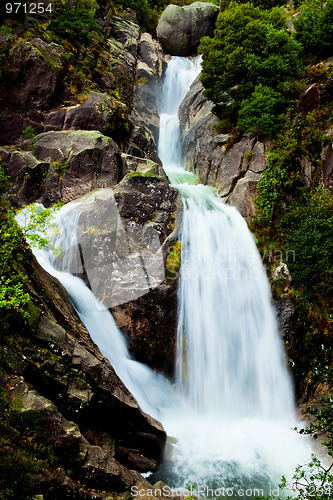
(231, 410)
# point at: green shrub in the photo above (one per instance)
(314, 28)
(261, 113)
(75, 25)
(89, 5)
(309, 230)
(310, 481)
(251, 48)
(13, 279)
(29, 133)
(280, 179)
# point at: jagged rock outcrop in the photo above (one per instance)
(147, 97)
(98, 112)
(234, 171)
(180, 27)
(127, 76)
(327, 166)
(120, 57)
(310, 100)
(62, 166)
(290, 22)
(35, 74)
(307, 170)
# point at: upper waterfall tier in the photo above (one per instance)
(180, 74)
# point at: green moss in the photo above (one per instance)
(4, 58)
(249, 155)
(50, 60)
(134, 174)
(173, 260)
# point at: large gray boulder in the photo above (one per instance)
(126, 234)
(63, 165)
(180, 28)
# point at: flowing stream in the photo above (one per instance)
(231, 411)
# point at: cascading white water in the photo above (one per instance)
(231, 373)
(230, 356)
(232, 409)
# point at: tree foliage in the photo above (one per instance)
(314, 28)
(13, 279)
(261, 113)
(75, 25)
(251, 48)
(309, 230)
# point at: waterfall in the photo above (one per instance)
(231, 412)
(230, 357)
(231, 372)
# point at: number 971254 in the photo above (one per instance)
(31, 8)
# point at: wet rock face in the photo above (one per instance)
(234, 171)
(180, 28)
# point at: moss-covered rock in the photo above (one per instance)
(32, 85)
